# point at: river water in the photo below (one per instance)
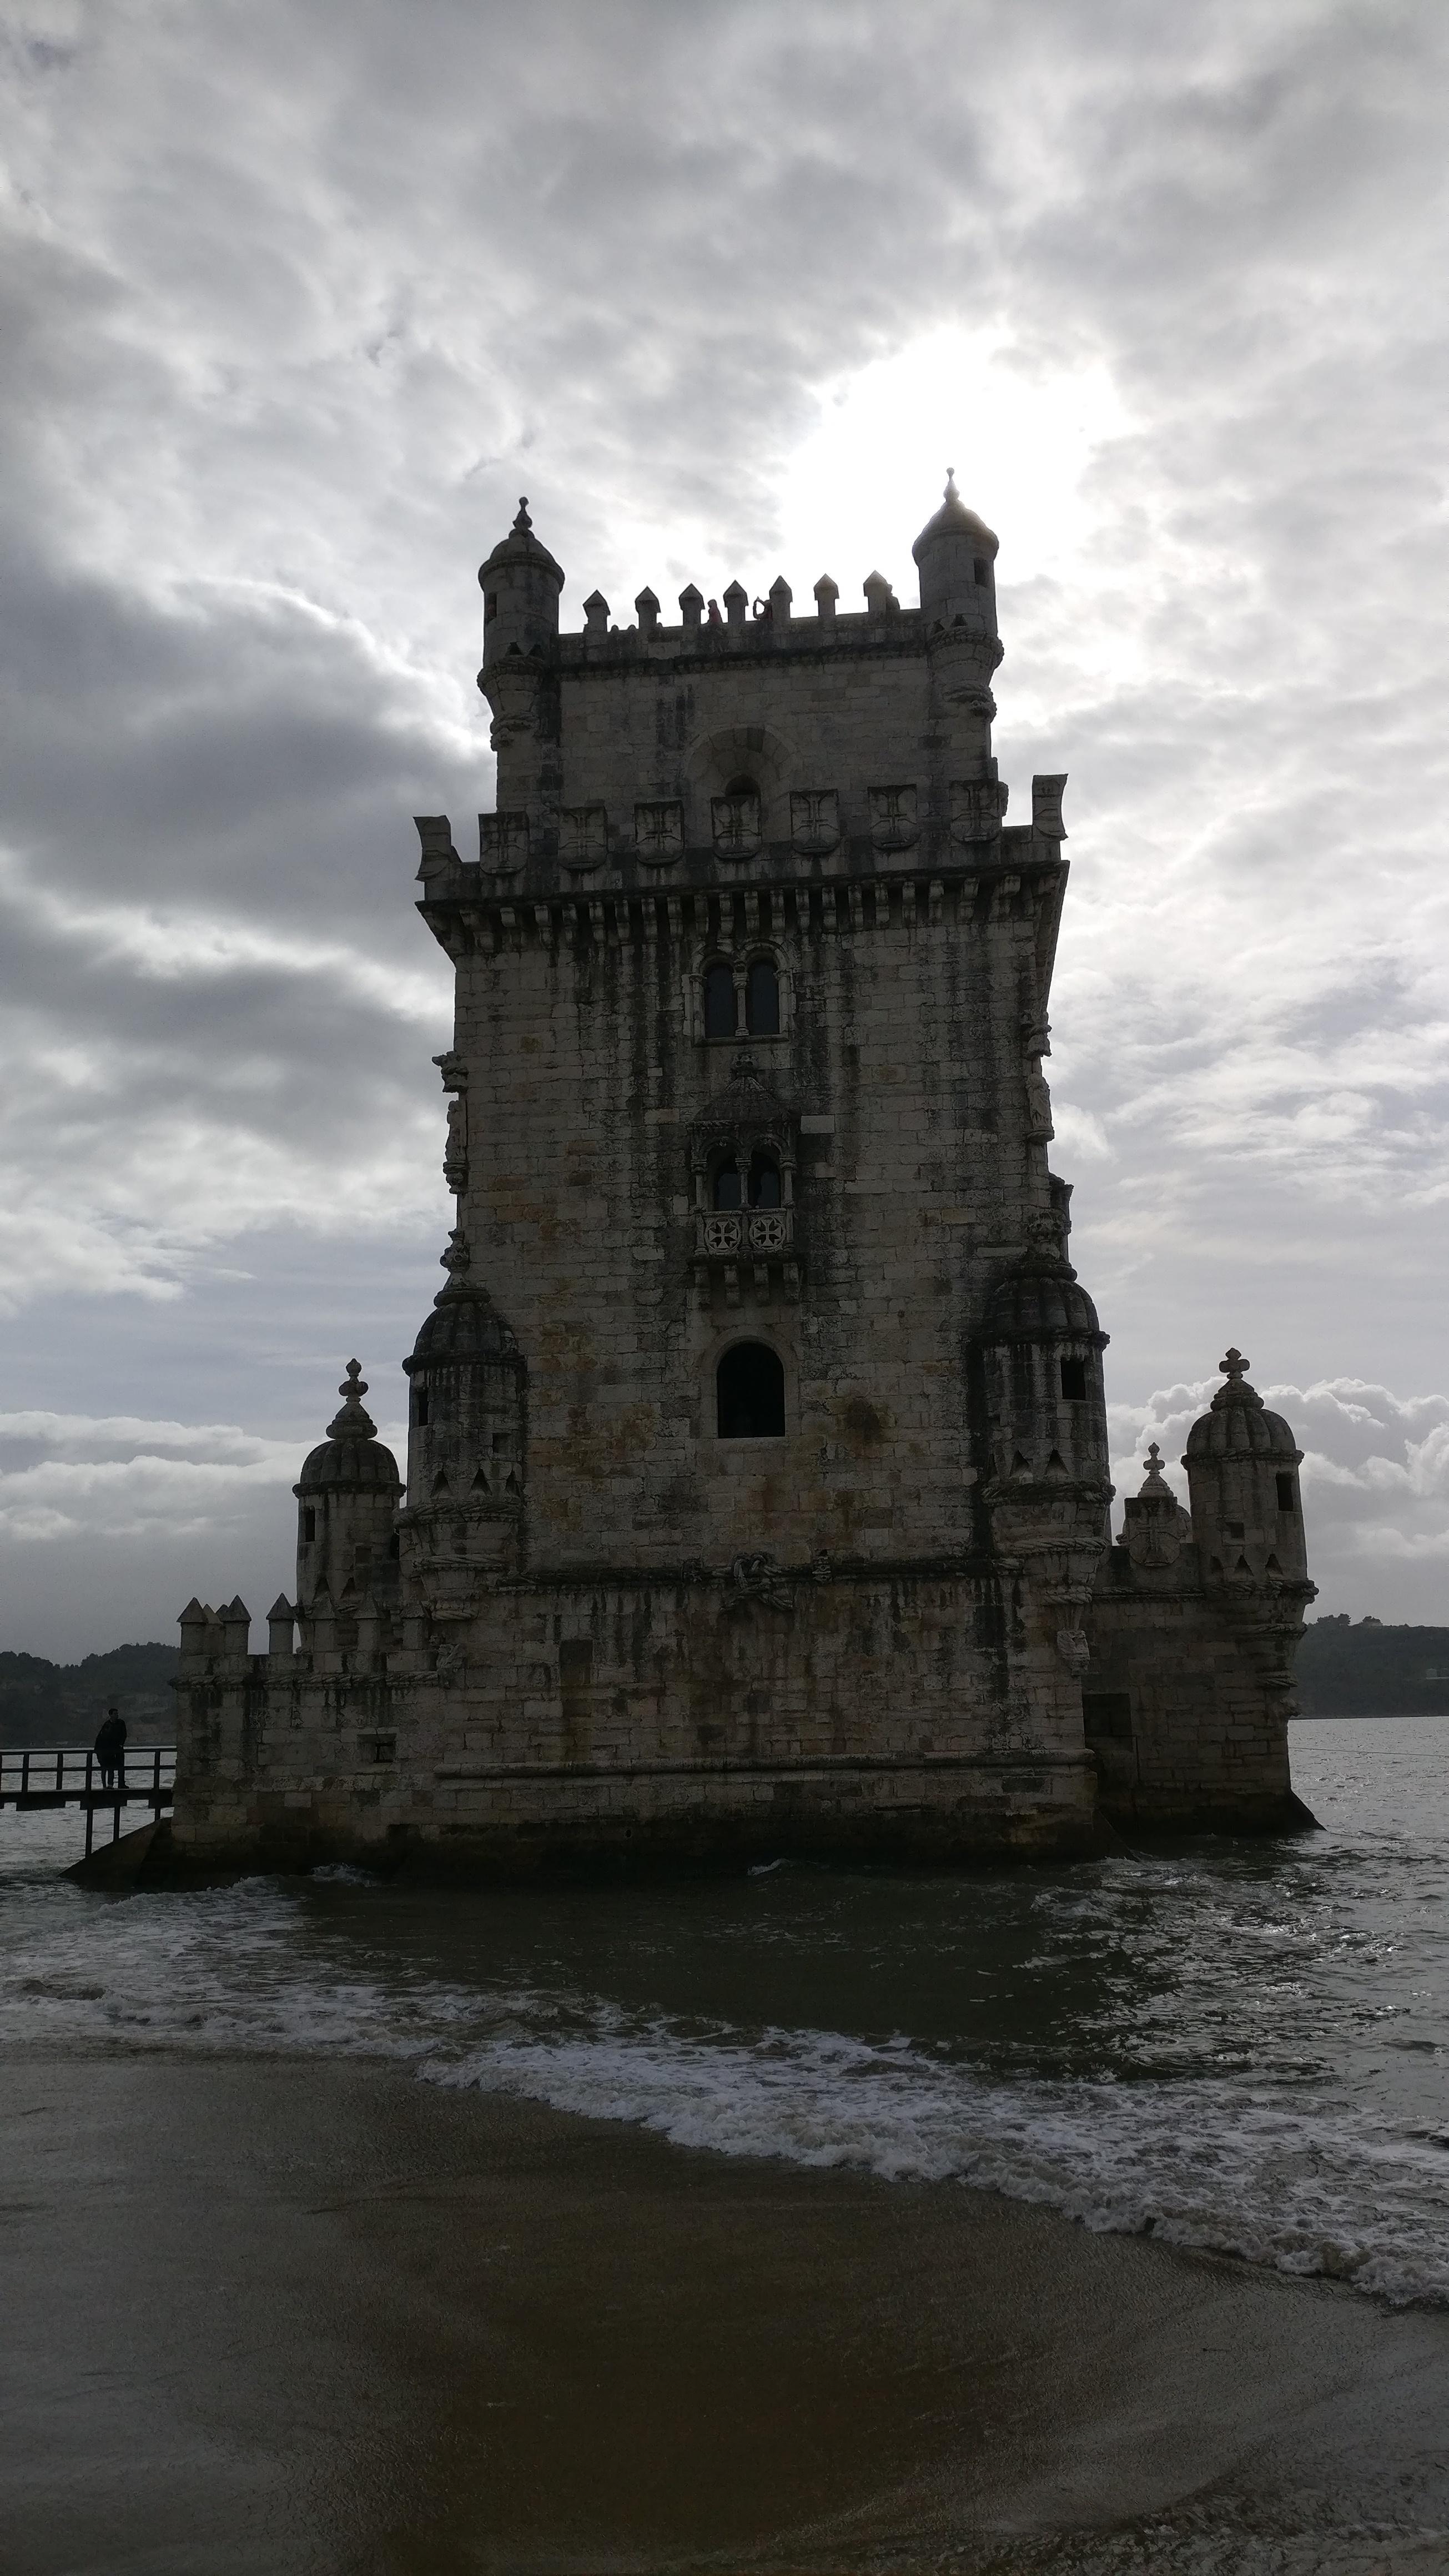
(1233, 2045)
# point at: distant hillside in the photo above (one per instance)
(1372, 1671)
(45, 1703)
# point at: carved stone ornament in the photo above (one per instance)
(1046, 805)
(977, 805)
(503, 843)
(1073, 1649)
(455, 1151)
(736, 824)
(815, 822)
(756, 1577)
(893, 824)
(583, 837)
(659, 833)
(450, 1660)
(435, 834)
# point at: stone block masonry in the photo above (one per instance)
(756, 1492)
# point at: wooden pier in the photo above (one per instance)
(67, 1775)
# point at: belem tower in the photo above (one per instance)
(757, 1484)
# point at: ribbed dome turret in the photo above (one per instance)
(1043, 1301)
(351, 1458)
(464, 1325)
(1238, 1423)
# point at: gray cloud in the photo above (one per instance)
(297, 300)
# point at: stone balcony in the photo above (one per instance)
(734, 1244)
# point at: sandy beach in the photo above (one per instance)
(271, 2317)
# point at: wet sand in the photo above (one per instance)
(265, 2318)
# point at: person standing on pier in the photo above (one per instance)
(111, 1750)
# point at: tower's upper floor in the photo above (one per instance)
(745, 739)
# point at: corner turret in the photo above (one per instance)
(1242, 1474)
(520, 583)
(955, 555)
(466, 1441)
(347, 1499)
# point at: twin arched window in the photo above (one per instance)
(750, 1391)
(761, 1179)
(762, 1001)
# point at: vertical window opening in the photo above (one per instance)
(1285, 1493)
(420, 1407)
(309, 1525)
(1074, 1381)
(750, 1386)
(727, 1192)
(762, 1000)
(719, 1002)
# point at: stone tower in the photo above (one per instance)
(757, 1464)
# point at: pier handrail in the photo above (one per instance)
(70, 1775)
(71, 1770)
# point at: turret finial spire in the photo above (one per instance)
(1156, 1481)
(523, 520)
(352, 1423)
(951, 493)
(1233, 1365)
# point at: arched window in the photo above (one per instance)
(750, 1383)
(762, 1000)
(742, 786)
(719, 1002)
(764, 1181)
(726, 1192)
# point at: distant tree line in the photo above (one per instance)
(1371, 1670)
(45, 1703)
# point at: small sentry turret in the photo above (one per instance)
(467, 1431)
(1242, 1473)
(1042, 1346)
(347, 1496)
(955, 554)
(520, 583)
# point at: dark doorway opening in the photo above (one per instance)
(750, 1384)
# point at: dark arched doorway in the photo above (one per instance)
(750, 1385)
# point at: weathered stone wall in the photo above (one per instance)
(900, 1069)
(1188, 1697)
(744, 1717)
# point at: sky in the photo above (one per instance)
(298, 297)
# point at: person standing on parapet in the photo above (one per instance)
(111, 1750)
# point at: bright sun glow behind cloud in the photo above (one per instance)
(1020, 440)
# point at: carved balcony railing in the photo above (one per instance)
(734, 1244)
(745, 1234)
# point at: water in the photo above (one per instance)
(1232, 2045)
